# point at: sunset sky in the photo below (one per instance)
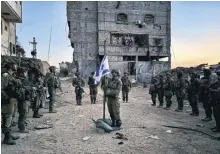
(195, 32)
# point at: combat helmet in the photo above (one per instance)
(115, 71)
(52, 68)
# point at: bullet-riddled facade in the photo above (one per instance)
(137, 35)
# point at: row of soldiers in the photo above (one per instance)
(205, 90)
(22, 89)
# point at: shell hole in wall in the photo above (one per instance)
(86, 8)
(140, 26)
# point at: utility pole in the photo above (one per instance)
(105, 84)
(34, 51)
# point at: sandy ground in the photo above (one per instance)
(72, 123)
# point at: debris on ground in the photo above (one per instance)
(86, 138)
(103, 124)
(120, 143)
(43, 126)
(120, 136)
(153, 137)
(200, 125)
(168, 131)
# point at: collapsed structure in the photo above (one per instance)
(137, 35)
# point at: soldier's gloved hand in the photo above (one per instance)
(34, 88)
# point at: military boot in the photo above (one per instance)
(35, 115)
(24, 131)
(8, 140)
(52, 111)
(118, 123)
(206, 119)
(15, 137)
(113, 122)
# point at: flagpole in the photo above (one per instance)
(104, 98)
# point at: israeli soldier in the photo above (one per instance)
(93, 87)
(153, 91)
(24, 99)
(51, 83)
(8, 101)
(126, 86)
(160, 90)
(179, 91)
(205, 94)
(112, 93)
(193, 93)
(215, 94)
(168, 90)
(33, 75)
(78, 83)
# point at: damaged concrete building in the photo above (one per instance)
(137, 35)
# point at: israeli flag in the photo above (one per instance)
(102, 70)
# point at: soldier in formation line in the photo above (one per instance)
(93, 87)
(78, 83)
(126, 87)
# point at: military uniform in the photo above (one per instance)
(168, 91)
(179, 90)
(8, 101)
(126, 86)
(93, 88)
(23, 100)
(52, 83)
(153, 91)
(112, 93)
(215, 100)
(205, 94)
(193, 93)
(160, 90)
(78, 83)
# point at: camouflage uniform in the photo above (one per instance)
(93, 88)
(112, 93)
(193, 92)
(205, 94)
(8, 101)
(153, 91)
(168, 91)
(78, 83)
(126, 86)
(52, 83)
(23, 100)
(215, 94)
(160, 90)
(179, 90)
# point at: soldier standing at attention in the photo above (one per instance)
(168, 91)
(193, 93)
(126, 86)
(160, 90)
(205, 94)
(179, 91)
(93, 88)
(24, 99)
(78, 83)
(153, 91)
(52, 83)
(112, 93)
(8, 102)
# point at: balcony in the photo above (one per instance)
(11, 11)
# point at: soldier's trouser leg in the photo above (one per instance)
(14, 114)
(110, 110)
(7, 113)
(207, 107)
(180, 103)
(115, 109)
(160, 97)
(23, 111)
(123, 95)
(126, 96)
(91, 95)
(153, 98)
(95, 95)
(216, 113)
(52, 93)
(169, 101)
(194, 105)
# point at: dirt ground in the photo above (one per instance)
(72, 123)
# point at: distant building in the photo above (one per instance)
(11, 13)
(137, 35)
